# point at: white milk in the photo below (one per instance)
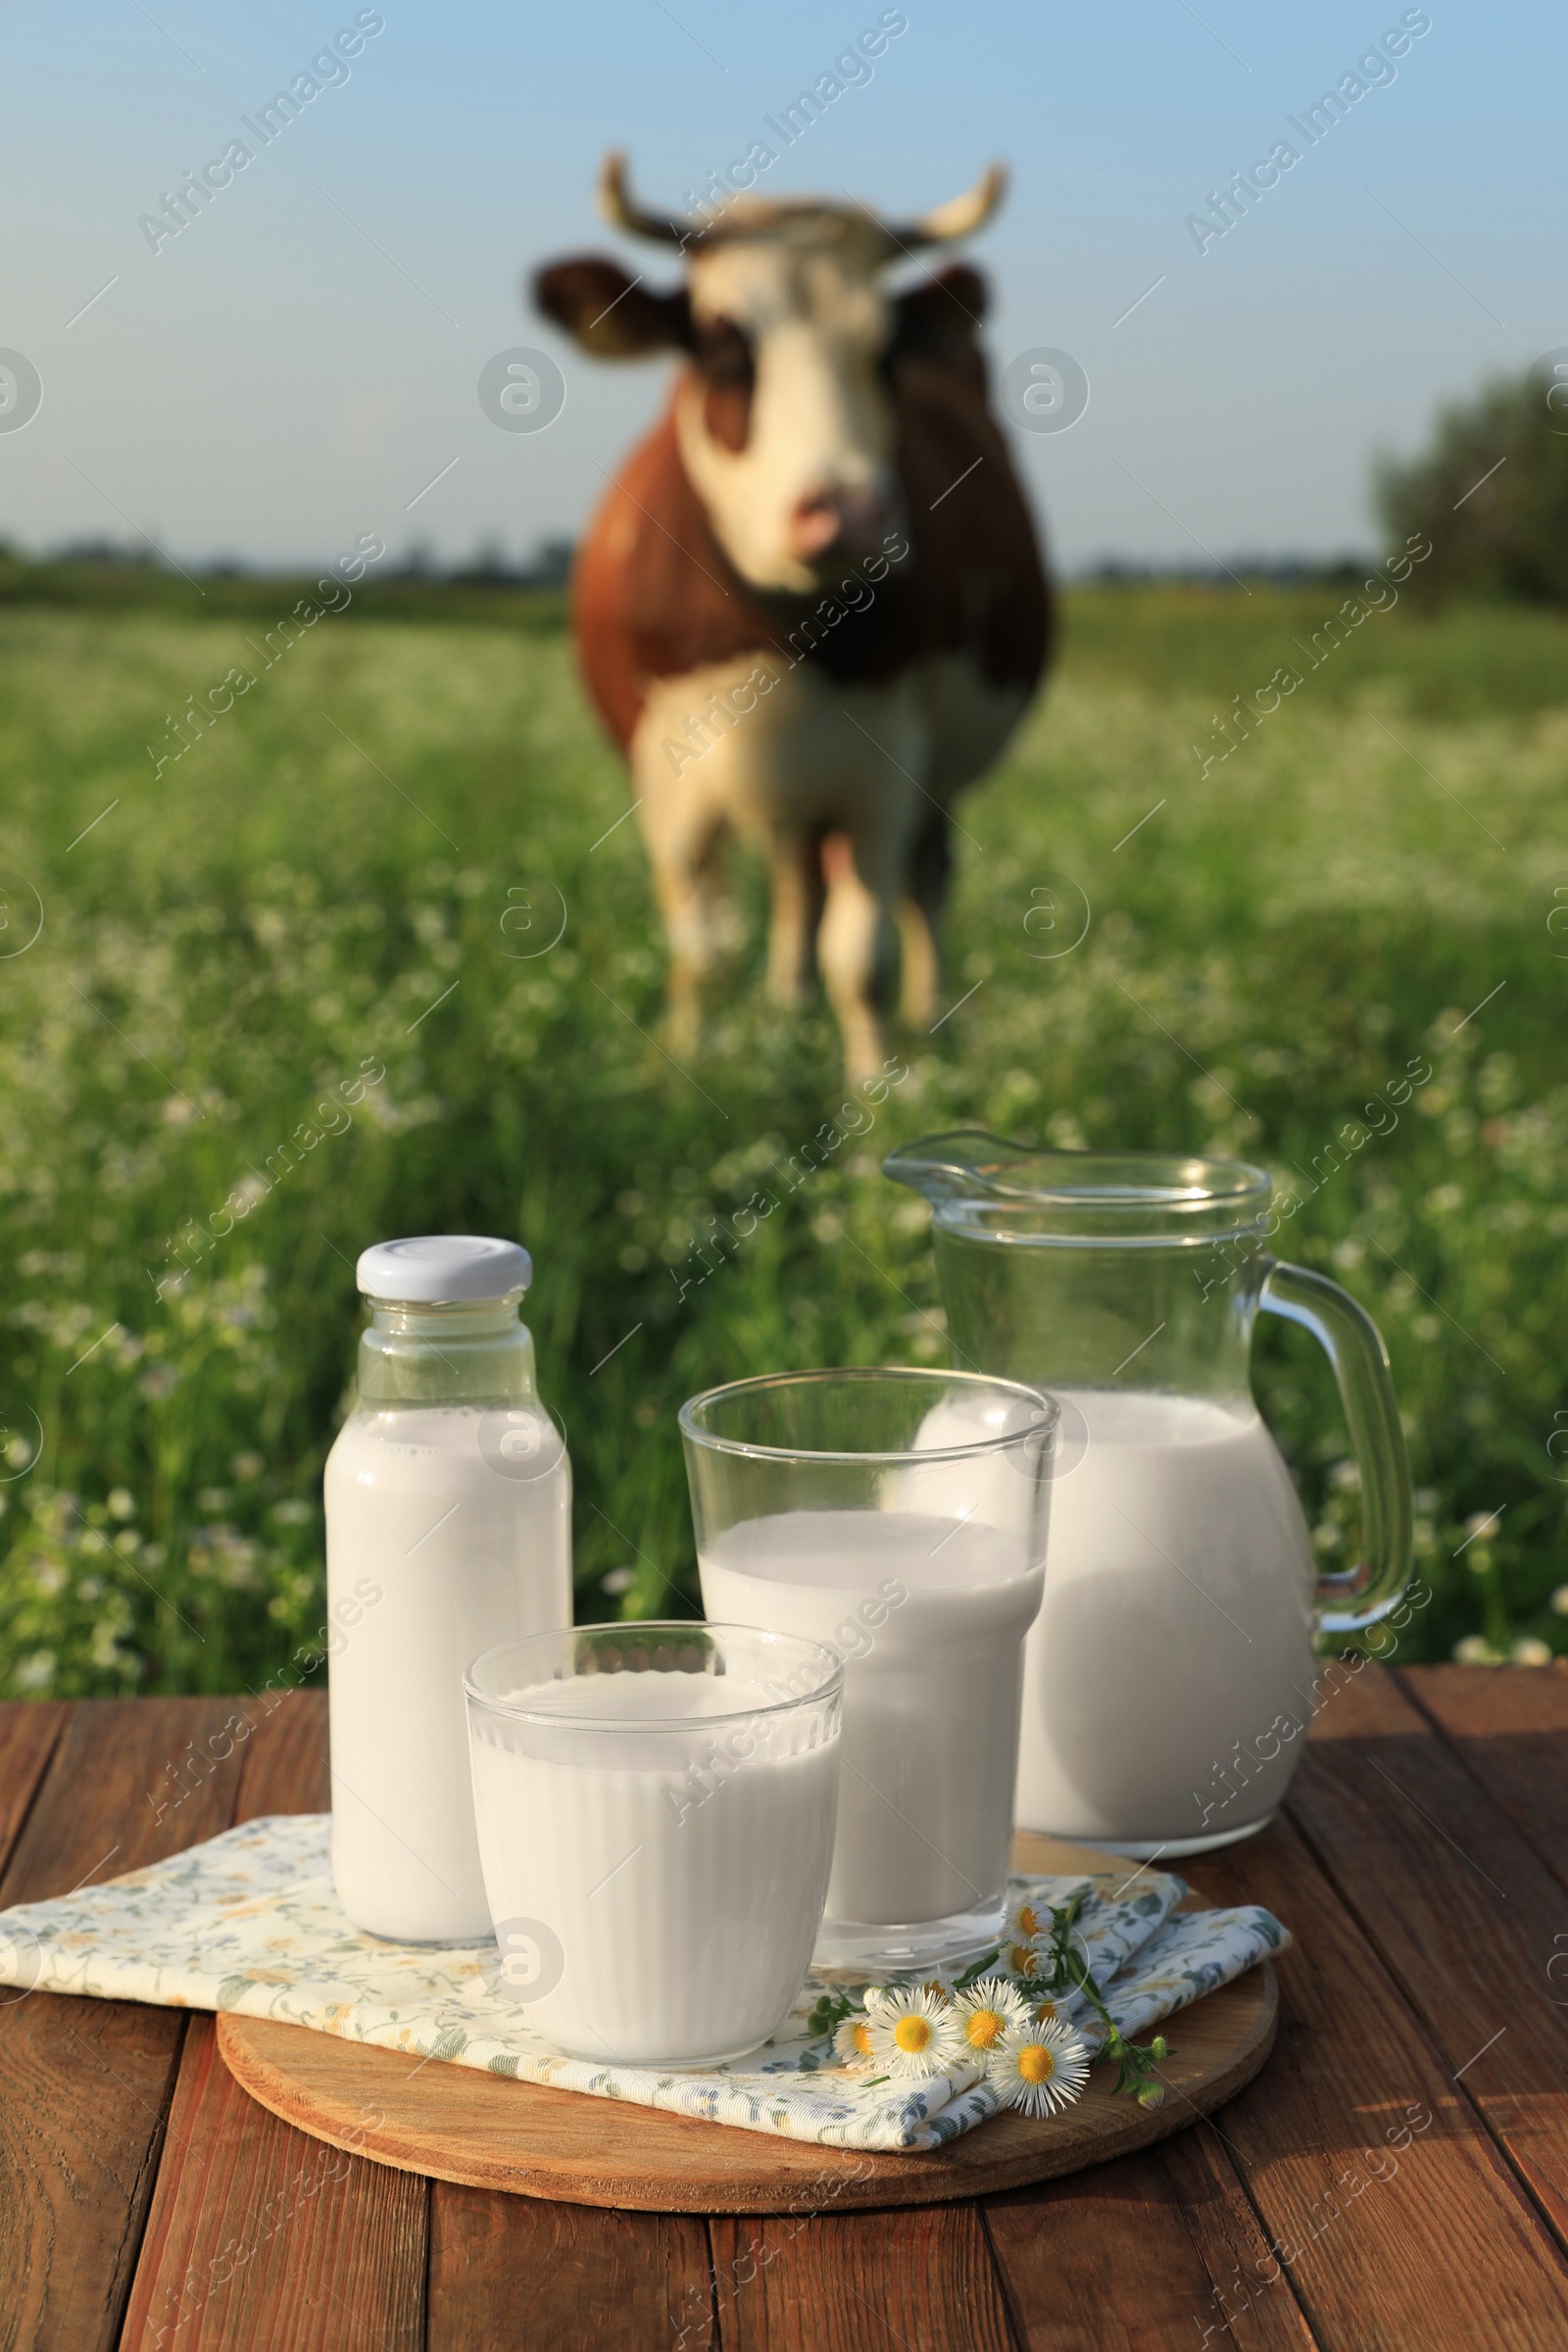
(663, 1924)
(929, 1615)
(1176, 1622)
(460, 1557)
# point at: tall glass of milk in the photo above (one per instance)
(897, 1517)
(448, 1529)
(656, 1806)
(1169, 1678)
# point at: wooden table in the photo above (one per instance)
(145, 2202)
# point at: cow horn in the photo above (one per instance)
(960, 215)
(617, 205)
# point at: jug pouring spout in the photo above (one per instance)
(966, 1164)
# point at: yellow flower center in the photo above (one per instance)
(1045, 2011)
(912, 2034)
(985, 2028)
(1029, 1922)
(861, 2038)
(1036, 2063)
(1021, 1960)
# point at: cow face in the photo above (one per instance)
(784, 425)
(782, 414)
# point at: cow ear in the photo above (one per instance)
(610, 314)
(940, 315)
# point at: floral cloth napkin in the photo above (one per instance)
(250, 1922)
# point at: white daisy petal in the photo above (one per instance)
(852, 2043)
(1028, 1922)
(1039, 2069)
(914, 2033)
(987, 2013)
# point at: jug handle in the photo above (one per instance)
(1351, 1599)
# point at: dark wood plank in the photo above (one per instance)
(113, 1798)
(1439, 2249)
(1461, 1908)
(1251, 2291)
(259, 2235)
(28, 1730)
(84, 2085)
(824, 2282)
(285, 1768)
(1508, 1725)
(1145, 2253)
(510, 2274)
(262, 2238)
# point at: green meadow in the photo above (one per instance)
(368, 959)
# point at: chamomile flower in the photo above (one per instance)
(852, 2043)
(1049, 2011)
(987, 2013)
(1039, 2069)
(1020, 1959)
(1028, 1922)
(913, 2034)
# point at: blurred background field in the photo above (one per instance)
(362, 864)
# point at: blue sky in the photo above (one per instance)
(299, 361)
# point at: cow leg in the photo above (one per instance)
(796, 872)
(919, 916)
(682, 837)
(858, 943)
(721, 921)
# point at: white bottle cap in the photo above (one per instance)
(436, 1267)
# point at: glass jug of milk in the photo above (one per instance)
(1168, 1677)
(448, 1532)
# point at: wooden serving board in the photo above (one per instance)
(459, 2123)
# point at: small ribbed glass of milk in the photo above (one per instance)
(899, 1518)
(656, 1806)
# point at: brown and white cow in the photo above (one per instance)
(811, 607)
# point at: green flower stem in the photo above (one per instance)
(829, 2011)
(980, 1968)
(1068, 1969)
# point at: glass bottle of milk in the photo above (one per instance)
(448, 1531)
